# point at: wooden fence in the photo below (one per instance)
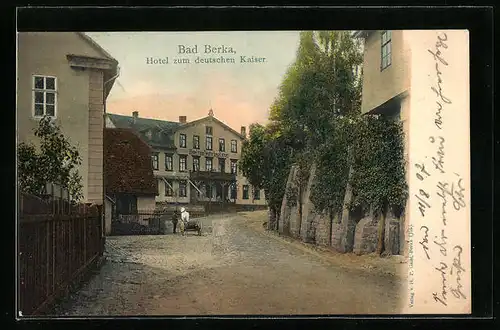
(146, 222)
(58, 242)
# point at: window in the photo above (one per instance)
(386, 49)
(208, 130)
(209, 143)
(182, 163)
(182, 140)
(233, 191)
(196, 164)
(208, 190)
(169, 191)
(44, 96)
(234, 166)
(169, 163)
(234, 146)
(222, 144)
(182, 188)
(208, 164)
(196, 142)
(245, 191)
(222, 165)
(256, 193)
(154, 159)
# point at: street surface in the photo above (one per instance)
(234, 268)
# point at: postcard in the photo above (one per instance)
(243, 173)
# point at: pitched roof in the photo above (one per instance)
(162, 130)
(194, 122)
(96, 46)
(110, 76)
(127, 163)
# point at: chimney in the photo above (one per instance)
(182, 119)
(244, 131)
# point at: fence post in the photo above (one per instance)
(84, 216)
(47, 239)
(101, 229)
(54, 254)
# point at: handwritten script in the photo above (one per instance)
(441, 191)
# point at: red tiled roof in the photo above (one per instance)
(127, 163)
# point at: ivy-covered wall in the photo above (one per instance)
(353, 201)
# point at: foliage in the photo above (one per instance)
(55, 161)
(330, 181)
(320, 86)
(253, 156)
(265, 162)
(379, 166)
(75, 186)
(316, 119)
(303, 163)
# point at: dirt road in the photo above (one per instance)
(232, 269)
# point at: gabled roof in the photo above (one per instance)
(140, 124)
(162, 130)
(197, 121)
(127, 163)
(96, 46)
(109, 75)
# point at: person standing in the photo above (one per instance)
(175, 220)
(184, 219)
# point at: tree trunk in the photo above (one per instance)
(381, 231)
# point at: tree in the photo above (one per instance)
(265, 162)
(55, 161)
(316, 118)
(320, 86)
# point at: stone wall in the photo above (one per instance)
(392, 235)
(403, 239)
(309, 214)
(349, 231)
(284, 219)
(365, 238)
(322, 230)
(337, 233)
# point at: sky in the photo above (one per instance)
(239, 93)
